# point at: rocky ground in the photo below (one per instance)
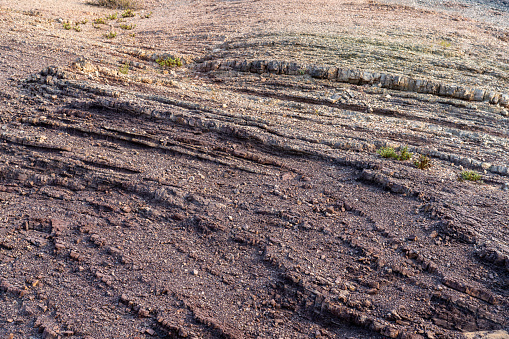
(240, 194)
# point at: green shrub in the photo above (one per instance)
(423, 162)
(124, 69)
(127, 27)
(389, 152)
(112, 16)
(67, 25)
(100, 21)
(169, 62)
(110, 35)
(470, 176)
(404, 154)
(128, 13)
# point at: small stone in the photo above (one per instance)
(150, 331)
(433, 234)
(74, 255)
(195, 272)
(143, 313)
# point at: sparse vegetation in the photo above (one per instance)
(112, 16)
(77, 28)
(169, 62)
(124, 69)
(404, 154)
(423, 162)
(127, 27)
(445, 44)
(111, 35)
(470, 176)
(67, 25)
(128, 13)
(82, 22)
(389, 152)
(100, 21)
(117, 4)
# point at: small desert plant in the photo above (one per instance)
(77, 28)
(127, 27)
(110, 35)
(99, 21)
(124, 69)
(169, 62)
(404, 154)
(445, 44)
(132, 35)
(112, 16)
(470, 176)
(82, 22)
(128, 13)
(120, 4)
(423, 162)
(389, 152)
(67, 25)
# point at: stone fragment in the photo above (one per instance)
(479, 94)
(59, 247)
(74, 255)
(504, 100)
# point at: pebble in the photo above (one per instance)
(195, 272)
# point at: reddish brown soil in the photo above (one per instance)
(215, 203)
